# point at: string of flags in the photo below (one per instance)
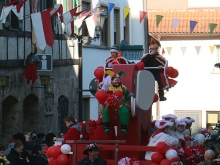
(41, 20)
(193, 24)
(183, 49)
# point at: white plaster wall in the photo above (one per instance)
(203, 4)
(197, 88)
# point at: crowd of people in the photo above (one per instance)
(176, 133)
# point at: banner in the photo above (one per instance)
(126, 11)
(212, 48)
(158, 19)
(142, 15)
(169, 50)
(175, 22)
(212, 26)
(197, 49)
(192, 25)
(183, 49)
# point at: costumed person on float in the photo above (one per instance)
(154, 59)
(115, 103)
(187, 131)
(180, 127)
(115, 59)
(171, 118)
(161, 136)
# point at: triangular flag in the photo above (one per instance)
(212, 26)
(79, 21)
(126, 11)
(57, 8)
(169, 50)
(19, 10)
(110, 7)
(94, 3)
(175, 22)
(197, 49)
(212, 48)
(163, 51)
(90, 23)
(183, 49)
(158, 19)
(6, 10)
(142, 15)
(192, 25)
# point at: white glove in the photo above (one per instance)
(110, 65)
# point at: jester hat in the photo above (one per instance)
(112, 74)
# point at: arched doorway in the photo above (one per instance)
(30, 113)
(63, 109)
(10, 119)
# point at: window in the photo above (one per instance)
(212, 117)
(104, 33)
(85, 8)
(126, 29)
(217, 58)
(116, 27)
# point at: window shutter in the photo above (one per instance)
(115, 20)
(85, 7)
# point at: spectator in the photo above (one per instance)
(36, 157)
(175, 161)
(40, 138)
(15, 154)
(73, 127)
(3, 159)
(50, 138)
(92, 152)
(25, 158)
(18, 137)
(208, 157)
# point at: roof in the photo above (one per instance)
(203, 17)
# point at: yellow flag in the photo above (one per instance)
(169, 50)
(126, 11)
(212, 48)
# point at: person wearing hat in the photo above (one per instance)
(122, 110)
(171, 118)
(188, 121)
(180, 127)
(92, 158)
(154, 59)
(115, 58)
(161, 136)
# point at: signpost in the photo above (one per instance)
(46, 62)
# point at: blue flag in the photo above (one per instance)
(110, 7)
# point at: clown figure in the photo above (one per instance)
(121, 109)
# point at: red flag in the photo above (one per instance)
(79, 21)
(142, 15)
(67, 17)
(42, 29)
(19, 10)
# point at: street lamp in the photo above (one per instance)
(45, 81)
(86, 40)
(4, 82)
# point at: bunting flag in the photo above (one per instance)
(6, 10)
(126, 11)
(169, 50)
(158, 19)
(42, 29)
(70, 28)
(192, 25)
(183, 49)
(68, 16)
(110, 7)
(78, 22)
(94, 3)
(198, 49)
(212, 48)
(90, 23)
(163, 51)
(57, 8)
(175, 22)
(142, 15)
(19, 10)
(212, 26)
